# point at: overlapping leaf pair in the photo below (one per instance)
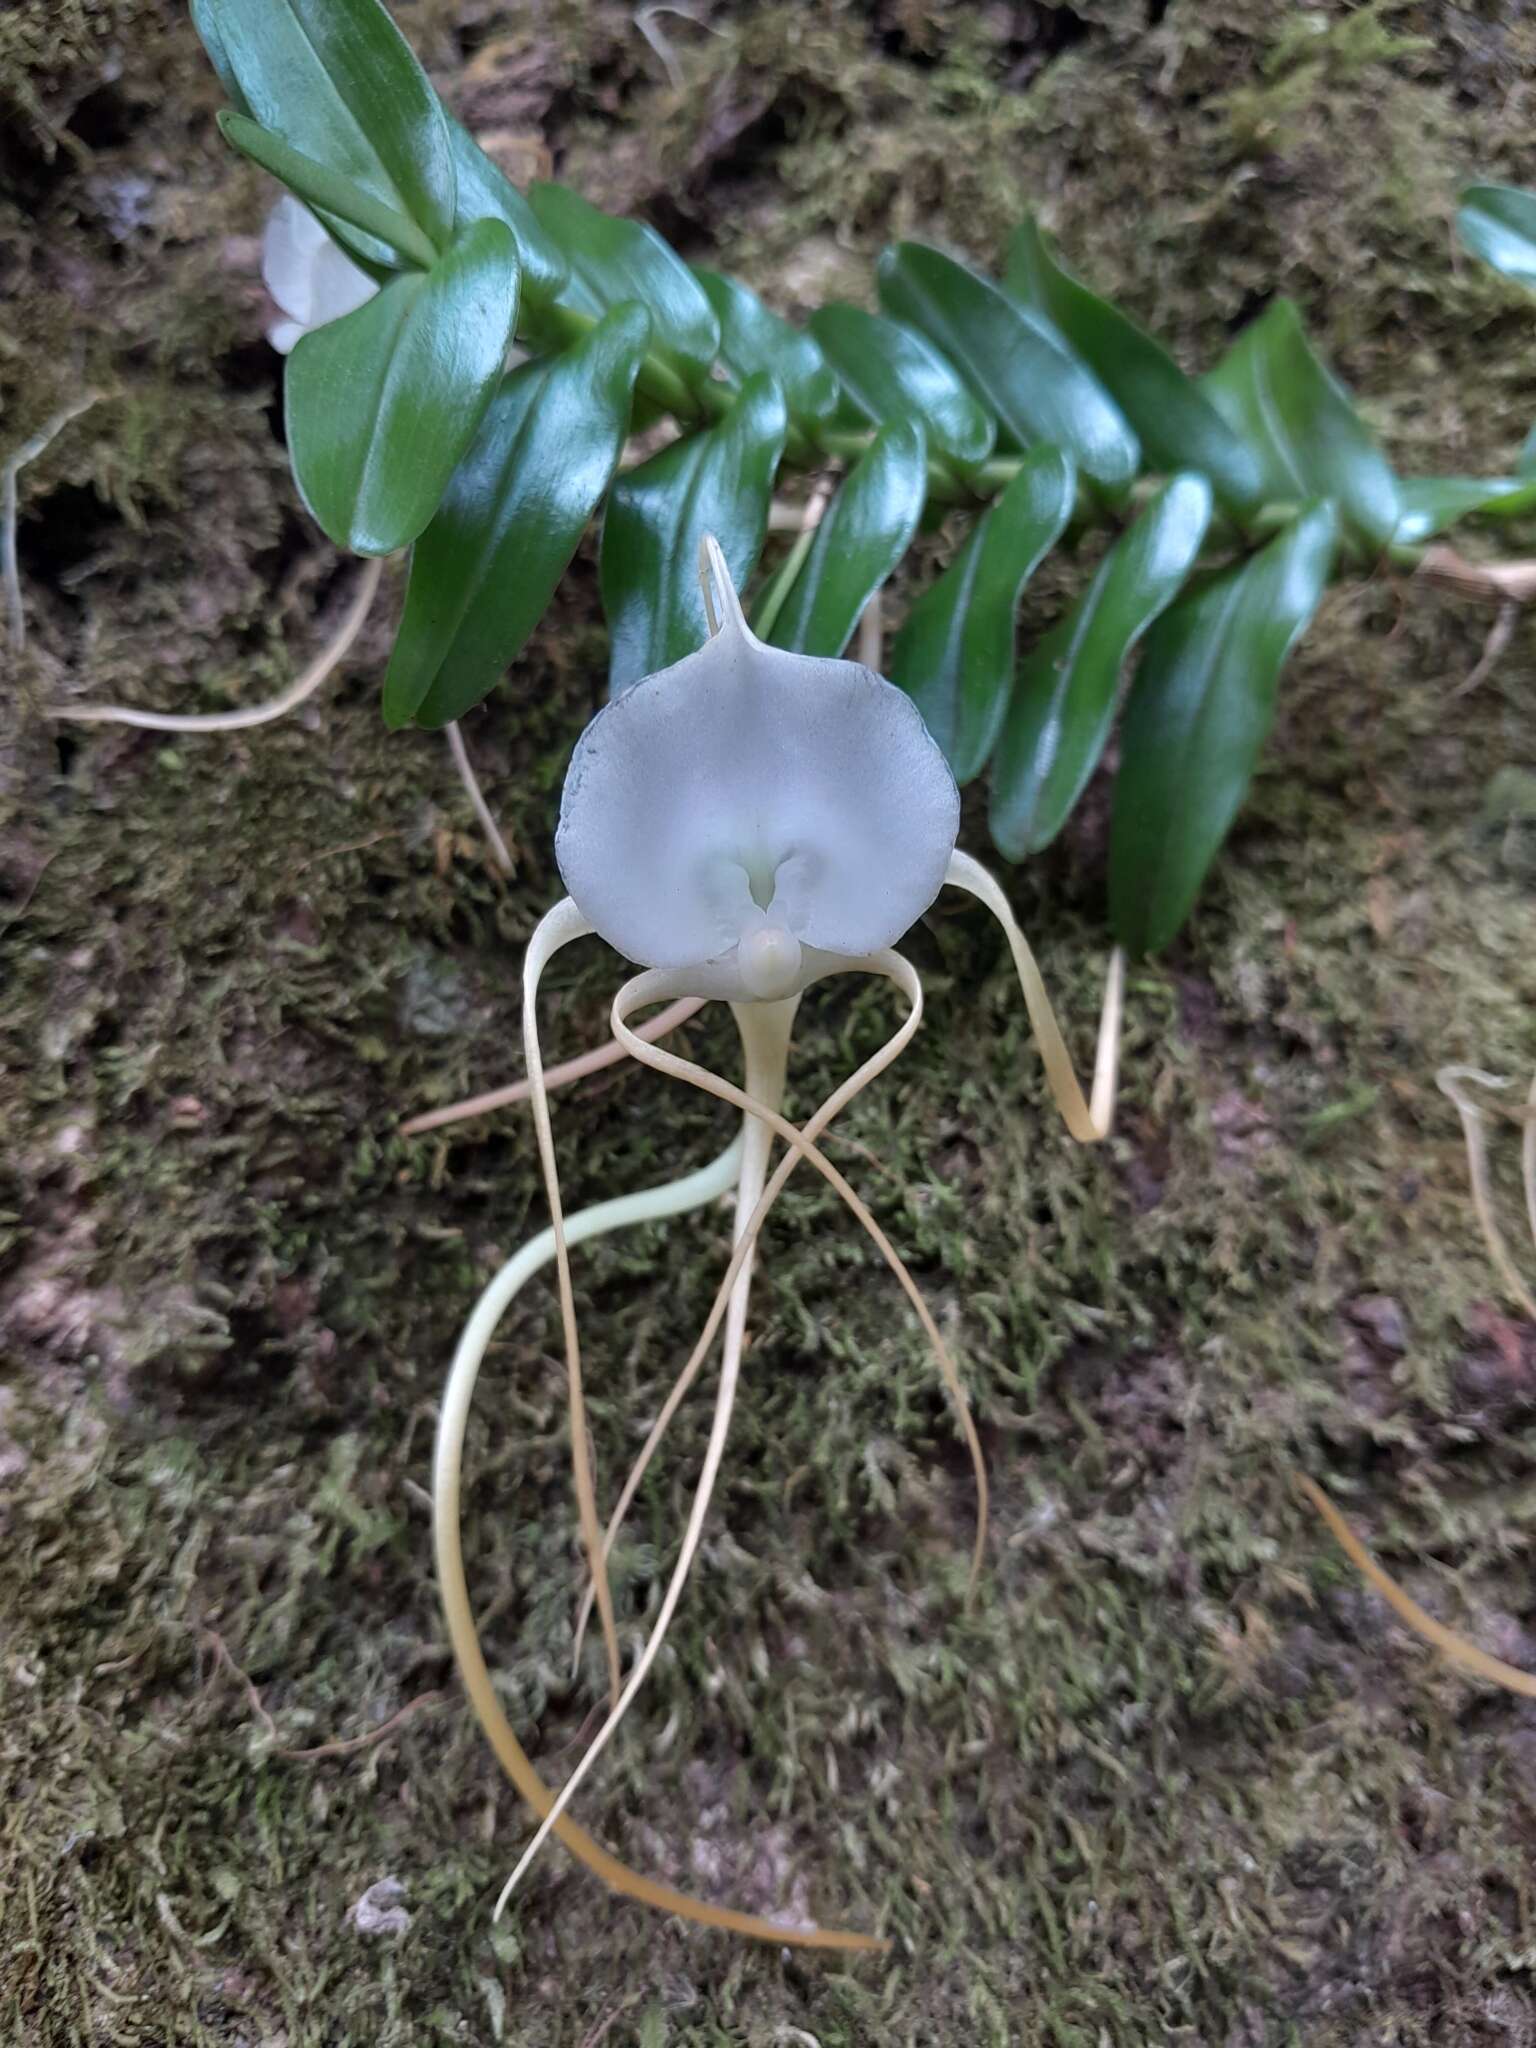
(1026, 410)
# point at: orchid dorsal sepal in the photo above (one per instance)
(748, 810)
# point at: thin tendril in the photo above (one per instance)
(953, 1385)
(558, 928)
(1454, 1648)
(501, 853)
(651, 987)
(1452, 1082)
(694, 1191)
(577, 1069)
(1088, 1121)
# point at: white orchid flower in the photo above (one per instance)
(310, 276)
(739, 826)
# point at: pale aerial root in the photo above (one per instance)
(303, 686)
(1456, 1649)
(652, 987)
(1089, 1120)
(698, 1076)
(1452, 1082)
(694, 1191)
(557, 928)
(501, 853)
(577, 1069)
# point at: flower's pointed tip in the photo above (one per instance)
(722, 604)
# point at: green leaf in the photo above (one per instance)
(1432, 503)
(719, 482)
(1178, 427)
(954, 655)
(336, 80)
(328, 192)
(752, 338)
(1273, 391)
(1027, 377)
(613, 261)
(1199, 711)
(510, 520)
(1064, 699)
(863, 535)
(483, 192)
(382, 404)
(892, 373)
(1498, 223)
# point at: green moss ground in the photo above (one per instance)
(1175, 1778)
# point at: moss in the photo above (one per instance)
(1174, 1775)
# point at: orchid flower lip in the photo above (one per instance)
(750, 812)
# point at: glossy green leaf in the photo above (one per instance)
(890, 372)
(483, 192)
(382, 404)
(719, 482)
(753, 338)
(1498, 223)
(336, 80)
(612, 261)
(1294, 413)
(863, 535)
(954, 655)
(328, 192)
(484, 570)
(1177, 426)
(1064, 698)
(1019, 370)
(1199, 711)
(1432, 503)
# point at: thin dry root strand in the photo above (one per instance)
(1452, 1081)
(1454, 1648)
(577, 1069)
(694, 1190)
(323, 665)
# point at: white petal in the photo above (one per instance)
(744, 775)
(284, 333)
(312, 279)
(287, 256)
(339, 286)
